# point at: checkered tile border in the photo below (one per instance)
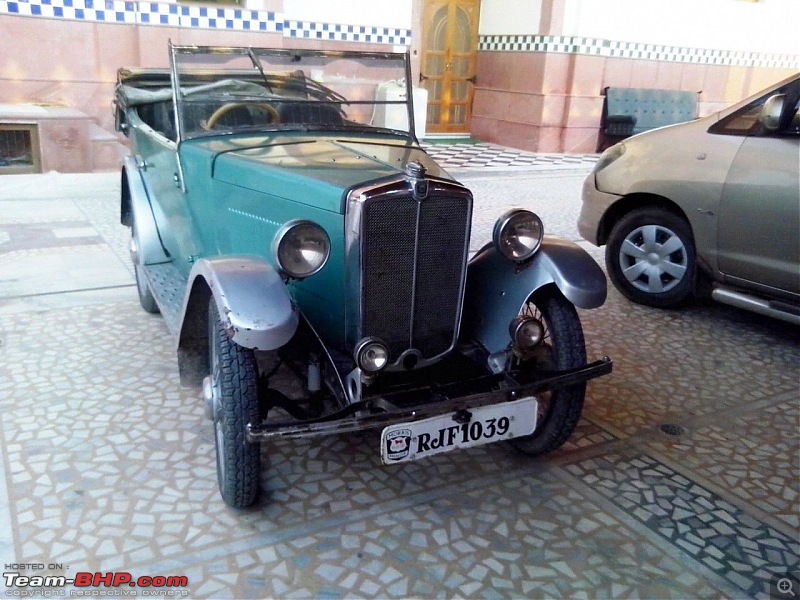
(487, 156)
(346, 33)
(600, 47)
(147, 13)
(202, 17)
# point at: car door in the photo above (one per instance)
(759, 212)
(157, 161)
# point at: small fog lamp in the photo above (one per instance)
(371, 355)
(518, 234)
(526, 332)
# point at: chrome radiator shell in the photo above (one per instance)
(407, 244)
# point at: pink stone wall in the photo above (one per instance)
(63, 63)
(551, 102)
(74, 63)
(538, 101)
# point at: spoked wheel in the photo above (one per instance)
(563, 347)
(146, 298)
(234, 403)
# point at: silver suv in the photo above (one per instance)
(706, 207)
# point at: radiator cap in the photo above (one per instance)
(415, 173)
(415, 170)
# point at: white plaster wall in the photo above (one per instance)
(763, 26)
(510, 17)
(374, 13)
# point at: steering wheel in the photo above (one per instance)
(226, 108)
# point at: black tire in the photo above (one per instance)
(651, 259)
(146, 298)
(234, 380)
(563, 348)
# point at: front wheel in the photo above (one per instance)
(563, 347)
(234, 401)
(650, 257)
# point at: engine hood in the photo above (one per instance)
(314, 171)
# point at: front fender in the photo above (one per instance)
(498, 288)
(254, 306)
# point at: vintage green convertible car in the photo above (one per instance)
(313, 263)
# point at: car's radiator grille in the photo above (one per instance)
(411, 280)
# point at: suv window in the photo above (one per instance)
(745, 120)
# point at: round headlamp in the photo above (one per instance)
(518, 234)
(371, 355)
(301, 248)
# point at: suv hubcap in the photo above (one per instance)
(653, 259)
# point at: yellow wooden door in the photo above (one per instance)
(447, 69)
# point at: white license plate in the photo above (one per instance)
(419, 439)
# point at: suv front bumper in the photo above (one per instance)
(593, 209)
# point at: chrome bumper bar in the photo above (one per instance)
(380, 412)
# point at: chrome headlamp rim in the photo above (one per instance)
(520, 328)
(364, 346)
(293, 227)
(506, 227)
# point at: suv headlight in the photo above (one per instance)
(301, 248)
(609, 156)
(518, 234)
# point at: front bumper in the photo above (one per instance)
(593, 209)
(386, 410)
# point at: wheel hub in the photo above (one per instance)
(653, 259)
(208, 396)
(133, 249)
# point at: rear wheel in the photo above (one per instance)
(234, 400)
(146, 298)
(563, 347)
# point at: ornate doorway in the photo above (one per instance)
(447, 69)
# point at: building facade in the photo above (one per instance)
(529, 74)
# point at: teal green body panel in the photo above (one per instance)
(241, 190)
(158, 166)
(312, 170)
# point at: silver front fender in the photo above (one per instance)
(498, 288)
(254, 306)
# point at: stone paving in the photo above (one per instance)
(681, 481)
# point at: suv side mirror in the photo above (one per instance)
(770, 116)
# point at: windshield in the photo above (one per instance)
(227, 90)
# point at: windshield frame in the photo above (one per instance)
(181, 81)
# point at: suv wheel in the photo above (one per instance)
(650, 257)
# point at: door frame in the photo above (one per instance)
(427, 9)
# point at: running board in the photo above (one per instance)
(778, 310)
(168, 287)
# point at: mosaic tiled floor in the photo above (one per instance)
(108, 464)
(481, 155)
